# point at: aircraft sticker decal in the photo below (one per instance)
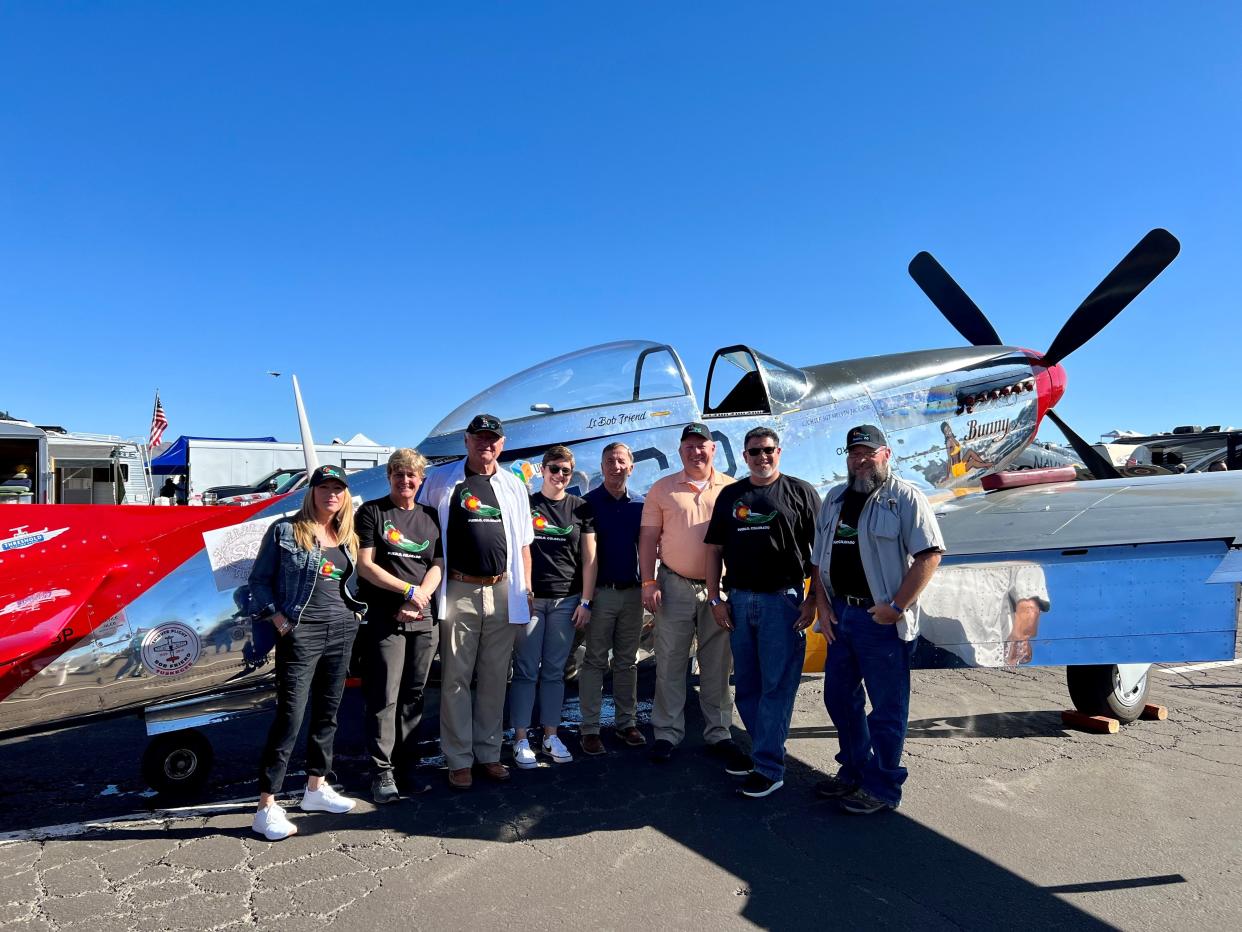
(170, 649)
(22, 538)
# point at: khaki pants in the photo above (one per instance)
(683, 614)
(476, 640)
(616, 625)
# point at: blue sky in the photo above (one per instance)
(403, 203)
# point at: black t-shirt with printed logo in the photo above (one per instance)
(767, 532)
(327, 600)
(845, 569)
(556, 554)
(406, 541)
(476, 533)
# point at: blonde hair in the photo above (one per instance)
(405, 458)
(304, 523)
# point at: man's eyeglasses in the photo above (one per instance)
(560, 470)
(761, 451)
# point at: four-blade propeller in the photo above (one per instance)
(1122, 285)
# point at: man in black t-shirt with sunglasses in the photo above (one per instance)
(761, 533)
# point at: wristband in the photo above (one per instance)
(649, 582)
(586, 603)
(897, 608)
(409, 592)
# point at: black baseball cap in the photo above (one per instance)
(485, 423)
(696, 429)
(866, 434)
(324, 473)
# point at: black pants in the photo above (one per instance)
(311, 663)
(394, 677)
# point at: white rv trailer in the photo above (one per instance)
(242, 462)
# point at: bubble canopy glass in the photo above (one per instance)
(612, 373)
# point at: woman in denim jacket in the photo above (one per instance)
(299, 582)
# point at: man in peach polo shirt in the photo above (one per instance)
(675, 518)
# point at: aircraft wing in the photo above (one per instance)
(69, 568)
(1065, 515)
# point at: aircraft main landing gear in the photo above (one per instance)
(177, 762)
(1113, 691)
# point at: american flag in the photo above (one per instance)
(159, 423)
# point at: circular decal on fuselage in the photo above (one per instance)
(170, 649)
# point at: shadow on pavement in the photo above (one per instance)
(800, 862)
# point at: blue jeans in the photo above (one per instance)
(539, 653)
(767, 666)
(865, 652)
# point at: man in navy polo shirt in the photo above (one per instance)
(617, 613)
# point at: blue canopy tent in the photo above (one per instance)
(174, 458)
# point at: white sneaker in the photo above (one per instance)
(556, 750)
(272, 823)
(326, 799)
(523, 756)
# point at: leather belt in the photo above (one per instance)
(691, 579)
(476, 580)
(857, 600)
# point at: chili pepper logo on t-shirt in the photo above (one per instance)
(329, 570)
(746, 516)
(475, 506)
(543, 526)
(401, 542)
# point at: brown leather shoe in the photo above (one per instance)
(592, 745)
(494, 771)
(632, 737)
(460, 779)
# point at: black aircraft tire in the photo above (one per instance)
(1095, 690)
(178, 763)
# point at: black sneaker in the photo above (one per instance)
(737, 762)
(662, 751)
(411, 784)
(860, 802)
(384, 788)
(834, 788)
(756, 785)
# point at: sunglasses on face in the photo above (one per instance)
(761, 451)
(560, 470)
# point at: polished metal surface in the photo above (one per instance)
(1118, 604)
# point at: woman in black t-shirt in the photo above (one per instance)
(300, 575)
(563, 571)
(400, 562)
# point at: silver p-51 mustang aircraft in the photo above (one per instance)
(116, 609)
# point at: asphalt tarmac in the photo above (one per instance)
(1009, 820)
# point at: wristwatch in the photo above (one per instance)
(714, 602)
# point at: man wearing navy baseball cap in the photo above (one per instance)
(485, 592)
(877, 545)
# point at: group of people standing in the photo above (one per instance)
(465, 559)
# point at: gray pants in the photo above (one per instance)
(683, 614)
(394, 680)
(616, 625)
(476, 640)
